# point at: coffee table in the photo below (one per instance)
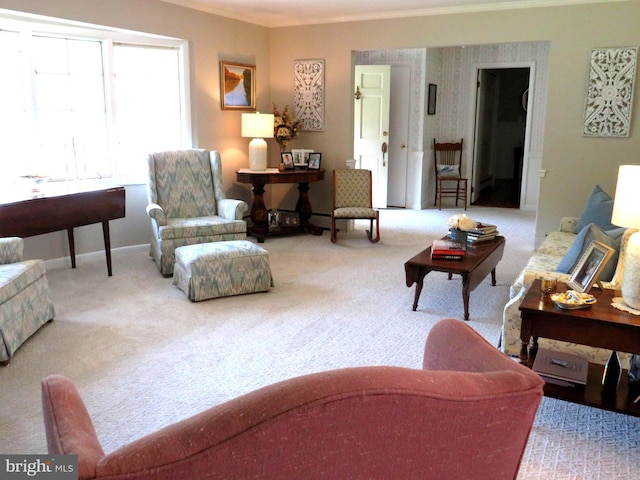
(599, 325)
(480, 260)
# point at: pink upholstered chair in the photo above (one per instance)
(468, 414)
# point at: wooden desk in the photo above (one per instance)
(480, 260)
(63, 207)
(259, 219)
(599, 325)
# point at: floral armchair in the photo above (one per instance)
(187, 204)
(25, 299)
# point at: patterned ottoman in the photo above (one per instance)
(220, 269)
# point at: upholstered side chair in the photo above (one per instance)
(353, 199)
(187, 204)
(467, 414)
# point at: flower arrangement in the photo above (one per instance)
(285, 127)
(461, 222)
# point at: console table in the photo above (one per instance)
(259, 219)
(599, 325)
(63, 207)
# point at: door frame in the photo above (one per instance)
(473, 127)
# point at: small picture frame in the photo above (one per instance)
(314, 160)
(301, 157)
(588, 268)
(274, 221)
(237, 86)
(287, 160)
(289, 219)
(432, 95)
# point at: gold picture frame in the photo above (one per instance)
(237, 86)
(588, 268)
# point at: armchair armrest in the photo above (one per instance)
(68, 426)
(453, 345)
(11, 249)
(156, 212)
(568, 224)
(232, 209)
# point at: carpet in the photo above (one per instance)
(143, 356)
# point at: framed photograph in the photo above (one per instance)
(314, 160)
(433, 93)
(289, 219)
(274, 221)
(301, 156)
(287, 160)
(237, 86)
(588, 268)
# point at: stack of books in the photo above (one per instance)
(560, 368)
(482, 232)
(445, 249)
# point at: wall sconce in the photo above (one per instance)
(257, 126)
(627, 214)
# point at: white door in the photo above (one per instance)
(371, 125)
(399, 136)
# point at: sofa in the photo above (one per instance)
(545, 262)
(25, 298)
(446, 420)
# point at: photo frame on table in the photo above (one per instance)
(274, 221)
(287, 160)
(237, 86)
(588, 268)
(289, 219)
(301, 156)
(314, 160)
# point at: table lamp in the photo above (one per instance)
(626, 213)
(257, 126)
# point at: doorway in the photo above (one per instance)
(500, 136)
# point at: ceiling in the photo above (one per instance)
(280, 13)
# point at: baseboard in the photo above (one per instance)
(66, 261)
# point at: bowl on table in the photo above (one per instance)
(573, 300)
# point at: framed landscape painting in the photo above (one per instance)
(237, 86)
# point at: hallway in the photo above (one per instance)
(504, 194)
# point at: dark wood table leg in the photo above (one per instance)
(107, 245)
(525, 336)
(419, 283)
(493, 277)
(466, 292)
(72, 247)
(303, 207)
(258, 215)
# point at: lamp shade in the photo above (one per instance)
(625, 206)
(257, 125)
(627, 214)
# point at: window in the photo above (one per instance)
(148, 106)
(88, 105)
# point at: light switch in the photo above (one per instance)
(542, 173)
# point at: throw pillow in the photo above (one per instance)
(579, 246)
(597, 210)
(448, 170)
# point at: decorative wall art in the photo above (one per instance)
(237, 86)
(610, 92)
(308, 94)
(431, 99)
